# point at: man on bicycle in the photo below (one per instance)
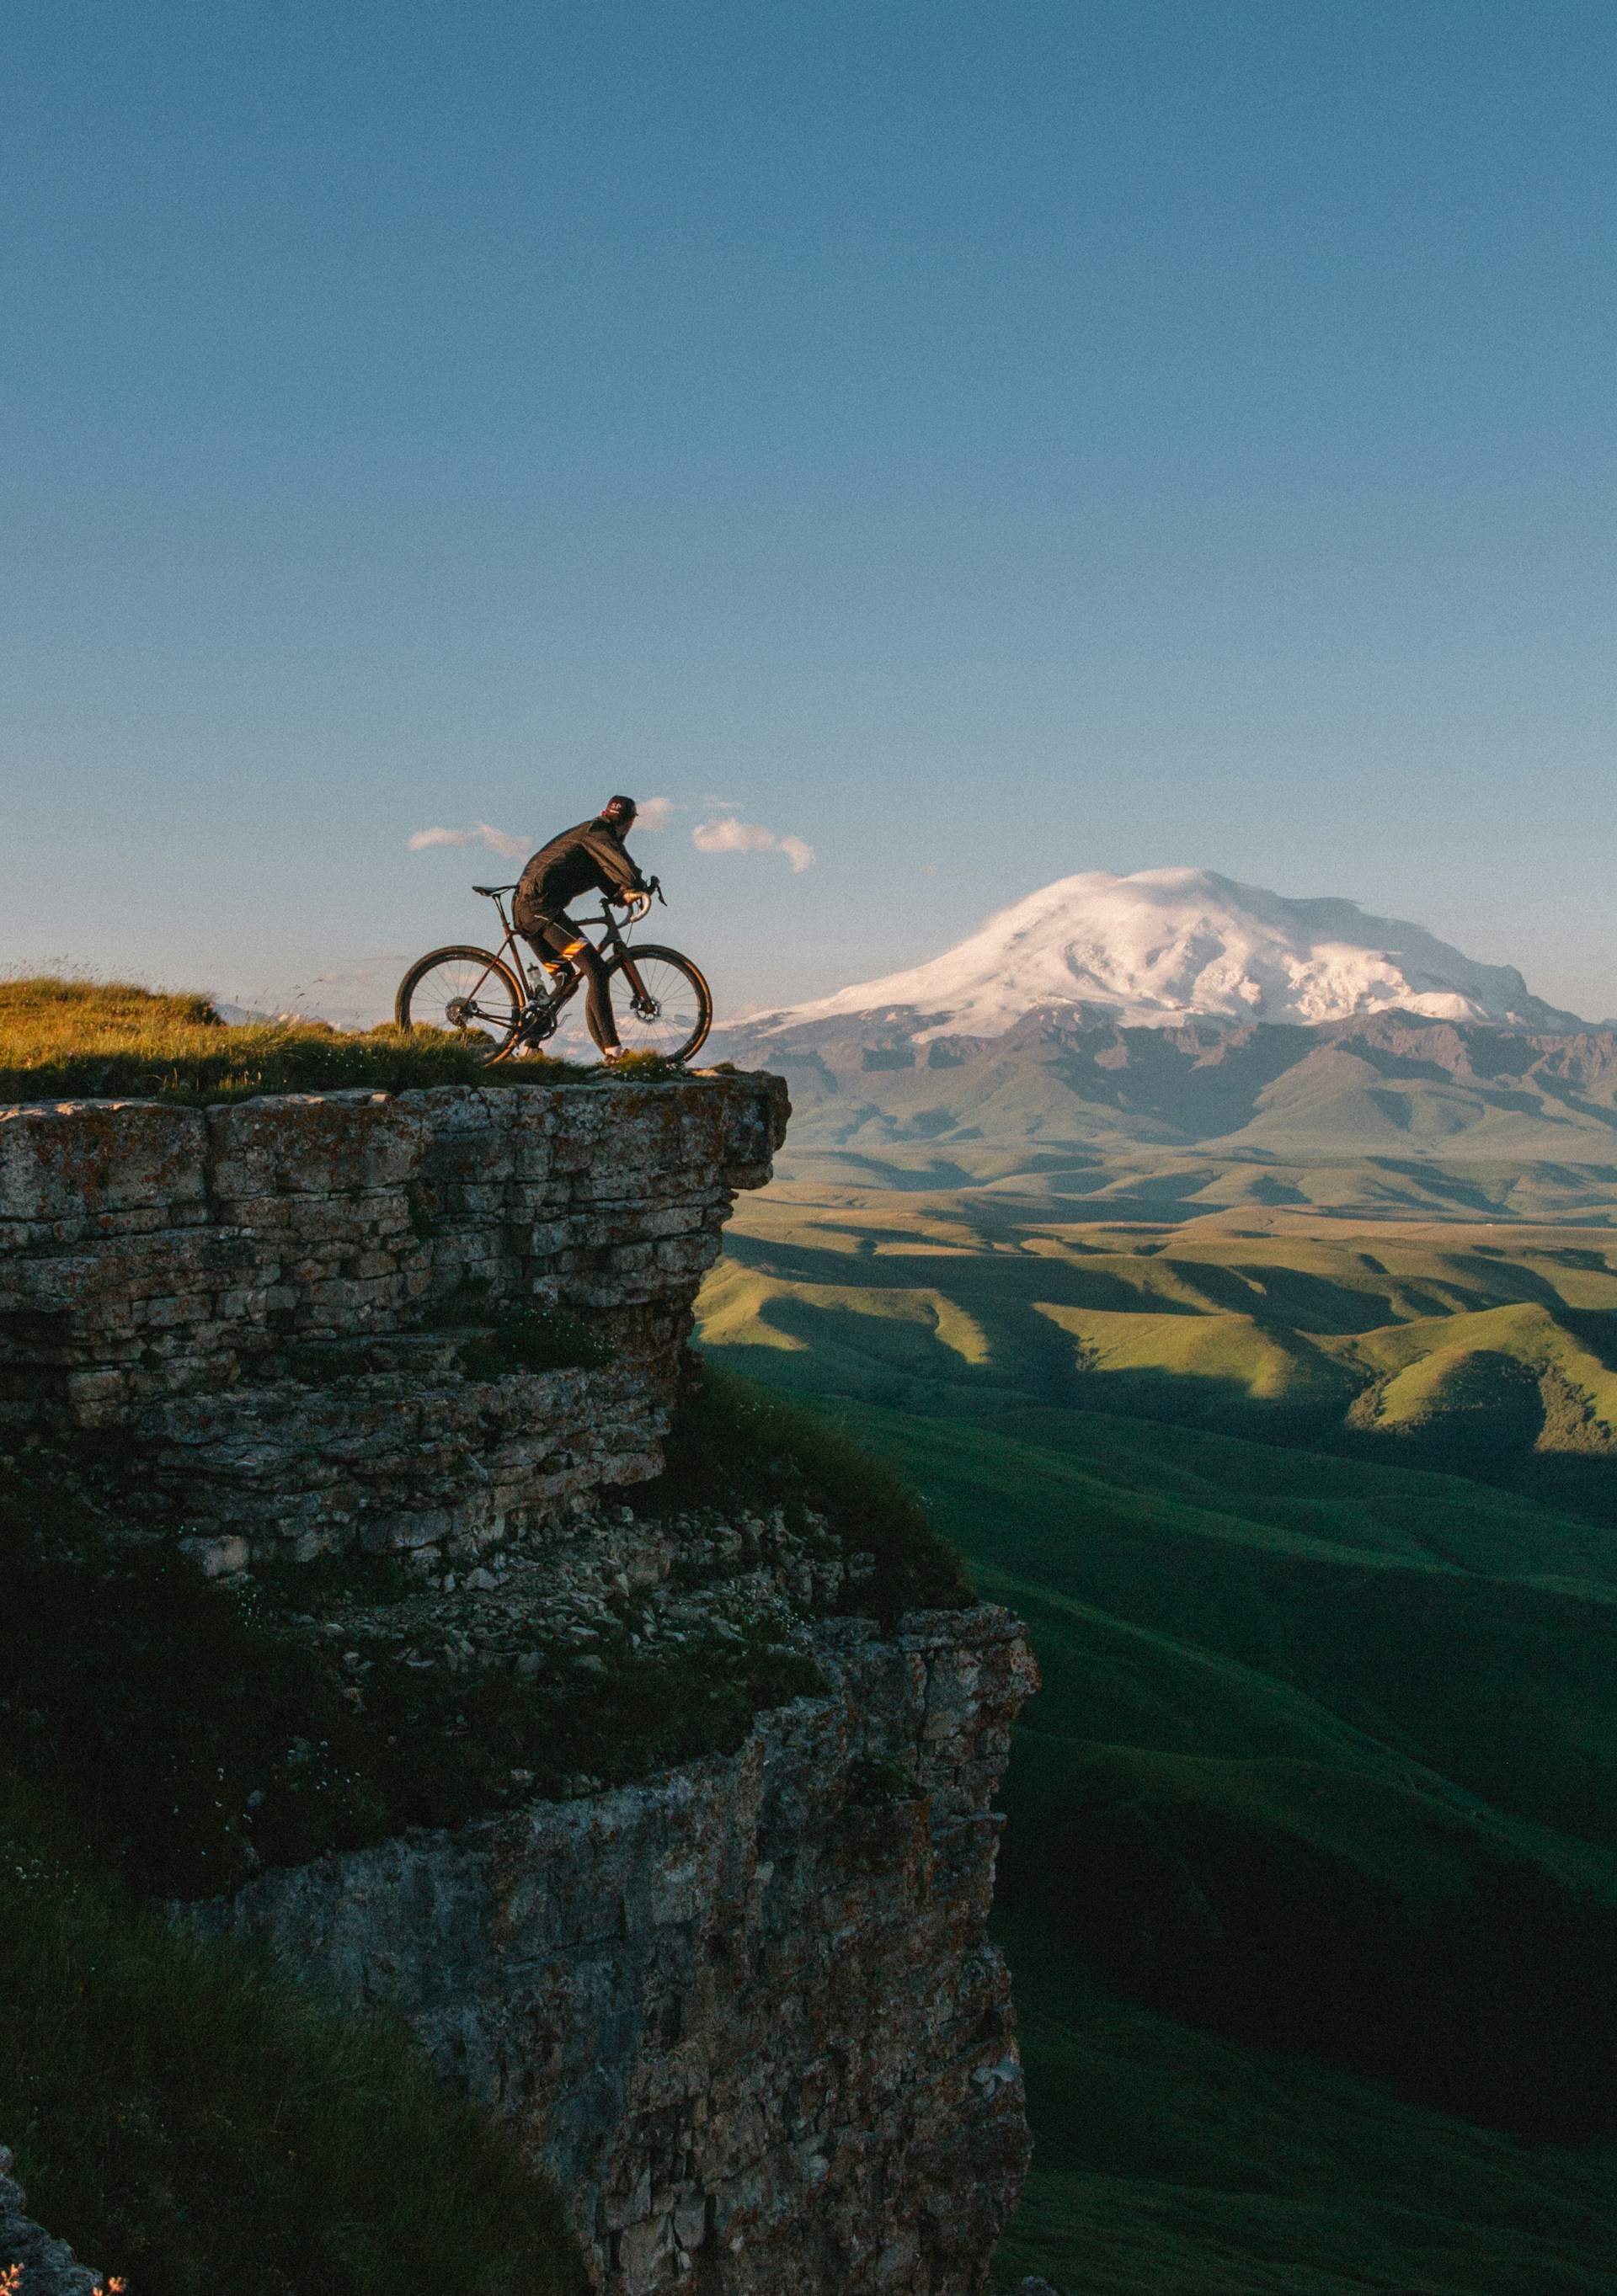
(590, 858)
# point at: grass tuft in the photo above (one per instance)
(110, 1040)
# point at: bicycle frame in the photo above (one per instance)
(536, 983)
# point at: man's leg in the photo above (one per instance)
(560, 937)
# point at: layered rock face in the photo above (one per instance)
(745, 2012)
(270, 1302)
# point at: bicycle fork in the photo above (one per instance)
(644, 1004)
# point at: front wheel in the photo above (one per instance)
(464, 992)
(659, 1002)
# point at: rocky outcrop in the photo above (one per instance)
(746, 2013)
(37, 2265)
(270, 1302)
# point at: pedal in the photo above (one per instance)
(536, 1024)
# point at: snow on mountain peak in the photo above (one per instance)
(1165, 944)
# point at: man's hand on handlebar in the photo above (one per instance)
(638, 903)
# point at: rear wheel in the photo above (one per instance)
(463, 992)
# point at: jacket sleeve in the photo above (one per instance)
(611, 860)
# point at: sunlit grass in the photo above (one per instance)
(99, 1040)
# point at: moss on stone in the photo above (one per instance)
(534, 1339)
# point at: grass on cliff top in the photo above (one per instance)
(106, 1040)
(188, 2116)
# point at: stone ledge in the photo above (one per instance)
(395, 1462)
(159, 1265)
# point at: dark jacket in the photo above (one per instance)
(589, 859)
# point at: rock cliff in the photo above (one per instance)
(42, 2266)
(268, 1303)
(744, 2010)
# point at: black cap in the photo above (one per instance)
(618, 808)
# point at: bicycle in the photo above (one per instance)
(660, 1001)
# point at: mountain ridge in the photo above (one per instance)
(1388, 1085)
(1162, 946)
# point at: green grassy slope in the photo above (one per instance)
(1192, 1601)
(1175, 2163)
(1490, 1349)
(1139, 1183)
(1325, 1761)
(188, 2116)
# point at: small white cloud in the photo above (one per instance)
(498, 841)
(656, 813)
(732, 836)
(727, 834)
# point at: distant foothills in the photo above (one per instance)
(1176, 1010)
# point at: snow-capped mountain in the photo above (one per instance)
(1165, 945)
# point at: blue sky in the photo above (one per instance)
(982, 443)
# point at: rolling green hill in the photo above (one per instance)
(1325, 1761)
(1488, 1349)
(1171, 2162)
(1305, 1480)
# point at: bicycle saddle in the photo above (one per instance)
(492, 890)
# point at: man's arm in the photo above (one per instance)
(612, 860)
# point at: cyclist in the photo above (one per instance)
(590, 858)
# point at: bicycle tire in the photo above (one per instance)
(502, 1031)
(647, 954)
